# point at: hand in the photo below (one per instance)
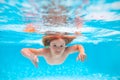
(81, 57)
(35, 60)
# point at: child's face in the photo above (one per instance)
(57, 47)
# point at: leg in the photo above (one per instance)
(30, 55)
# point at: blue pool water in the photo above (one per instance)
(100, 38)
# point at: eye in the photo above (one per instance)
(61, 46)
(54, 45)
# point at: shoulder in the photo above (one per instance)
(44, 51)
(71, 49)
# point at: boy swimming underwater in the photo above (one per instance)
(57, 51)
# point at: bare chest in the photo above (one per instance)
(55, 60)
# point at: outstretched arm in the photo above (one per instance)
(32, 51)
(78, 48)
(32, 54)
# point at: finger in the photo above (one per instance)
(82, 58)
(36, 59)
(35, 63)
(79, 57)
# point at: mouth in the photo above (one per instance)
(57, 52)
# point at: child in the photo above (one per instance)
(56, 51)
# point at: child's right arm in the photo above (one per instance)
(33, 51)
(32, 54)
(39, 52)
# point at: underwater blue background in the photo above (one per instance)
(100, 38)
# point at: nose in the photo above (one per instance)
(58, 47)
(58, 50)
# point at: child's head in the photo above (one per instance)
(57, 46)
(57, 43)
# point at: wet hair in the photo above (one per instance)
(48, 38)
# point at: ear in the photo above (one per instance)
(47, 42)
(66, 41)
(46, 46)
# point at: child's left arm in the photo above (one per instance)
(78, 48)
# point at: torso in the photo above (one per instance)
(52, 60)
